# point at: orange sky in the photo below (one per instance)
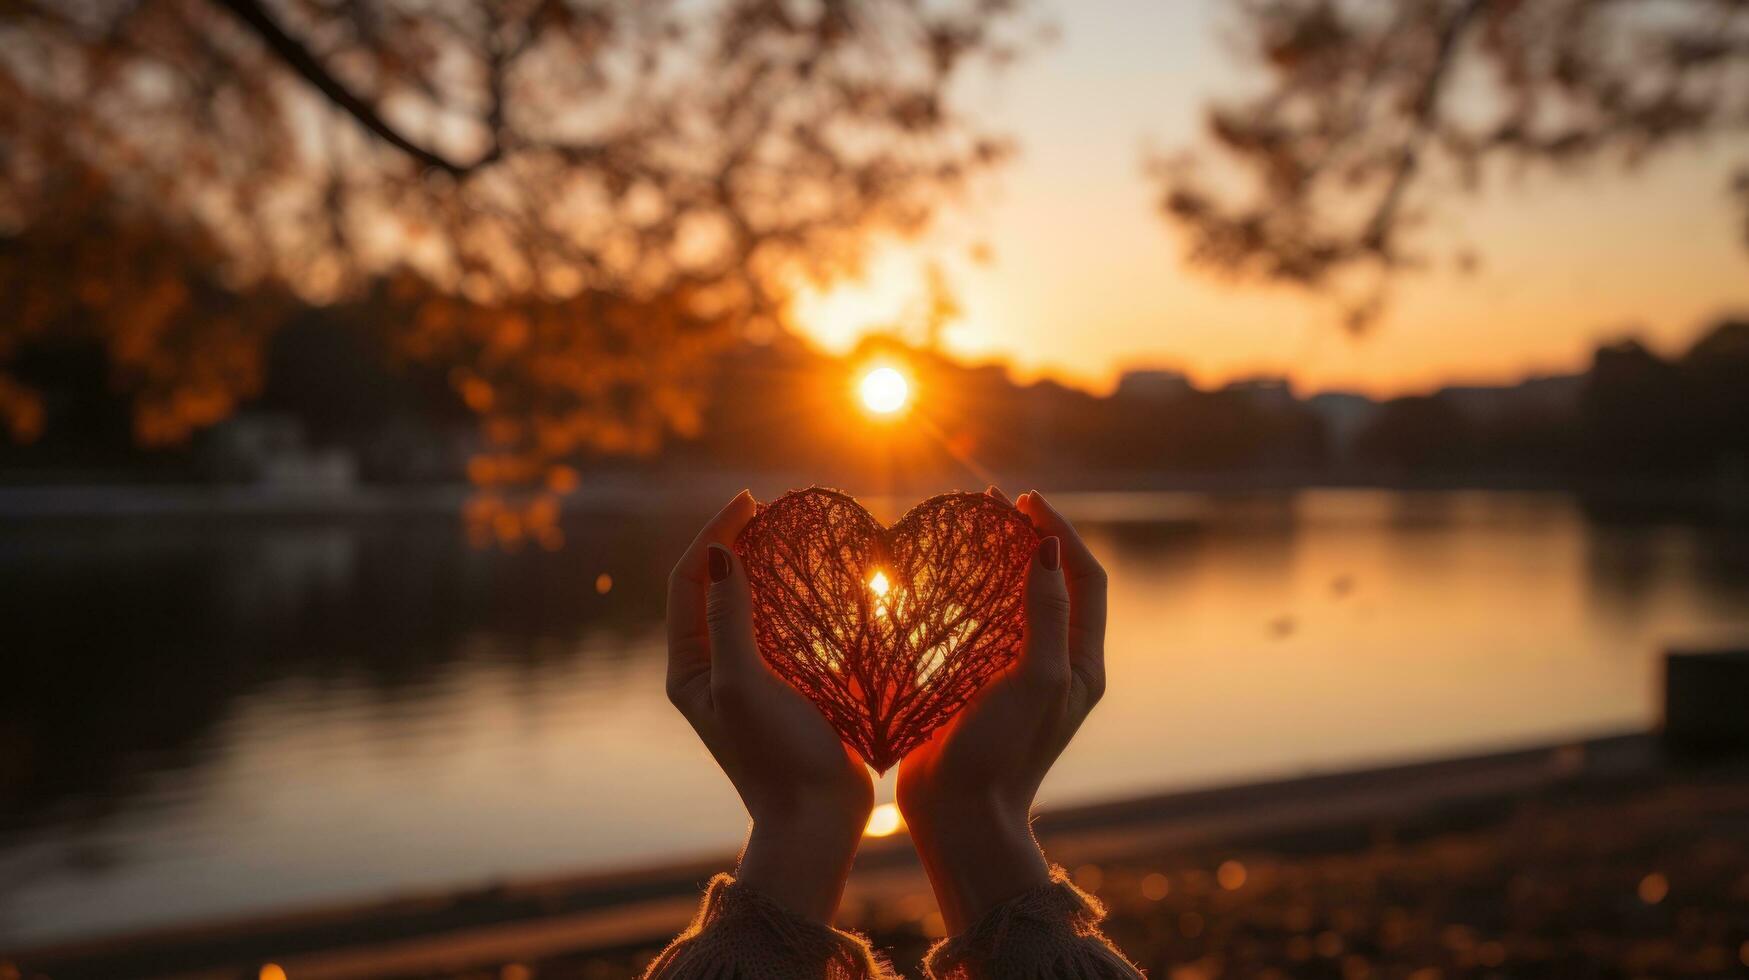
(1087, 279)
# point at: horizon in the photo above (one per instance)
(1667, 348)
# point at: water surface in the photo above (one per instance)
(215, 719)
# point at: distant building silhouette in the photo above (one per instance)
(1153, 384)
(1554, 395)
(1345, 415)
(332, 394)
(1268, 393)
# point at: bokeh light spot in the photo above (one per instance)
(1653, 888)
(1231, 875)
(1090, 877)
(1156, 887)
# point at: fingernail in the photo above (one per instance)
(719, 563)
(1050, 553)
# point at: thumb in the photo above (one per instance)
(1044, 653)
(729, 615)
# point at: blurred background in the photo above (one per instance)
(366, 365)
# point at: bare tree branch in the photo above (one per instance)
(1355, 122)
(1378, 230)
(299, 58)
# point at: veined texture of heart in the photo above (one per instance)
(890, 631)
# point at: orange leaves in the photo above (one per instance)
(476, 393)
(596, 374)
(555, 382)
(561, 479)
(170, 417)
(505, 521)
(183, 348)
(508, 334)
(628, 194)
(21, 411)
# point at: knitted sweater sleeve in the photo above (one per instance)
(739, 934)
(1049, 933)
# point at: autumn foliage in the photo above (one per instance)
(571, 203)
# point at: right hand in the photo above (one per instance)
(967, 793)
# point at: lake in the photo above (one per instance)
(214, 718)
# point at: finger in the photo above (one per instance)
(996, 491)
(1086, 577)
(688, 630)
(1044, 652)
(729, 617)
(1087, 599)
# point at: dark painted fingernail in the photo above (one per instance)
(719, 563)
(1050, 553)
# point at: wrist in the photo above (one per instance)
(979, 851)
(801, 859)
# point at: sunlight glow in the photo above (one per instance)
(880, 587)
(884, 821)
(884, 390)
(839, 314)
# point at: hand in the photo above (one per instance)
(967, 793)
(808, 793)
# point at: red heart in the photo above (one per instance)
(889, 630)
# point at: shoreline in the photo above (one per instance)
(624, 492)
(572, 915)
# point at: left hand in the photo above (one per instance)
(808, 793)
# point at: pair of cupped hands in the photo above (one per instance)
(966, 794)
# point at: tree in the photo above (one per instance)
(1375, 108)
(574, 202)
(1417, 435)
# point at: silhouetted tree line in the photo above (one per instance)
(786, 406)
(1644, 414)
(1632, 414)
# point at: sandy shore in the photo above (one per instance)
(1595, 858)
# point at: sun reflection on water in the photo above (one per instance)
(884, 820)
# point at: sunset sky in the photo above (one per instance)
(1087, 278)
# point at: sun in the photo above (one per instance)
(884, 390)
(884, 821)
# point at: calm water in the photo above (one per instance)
(202, 720)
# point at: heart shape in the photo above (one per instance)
(890, 631)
